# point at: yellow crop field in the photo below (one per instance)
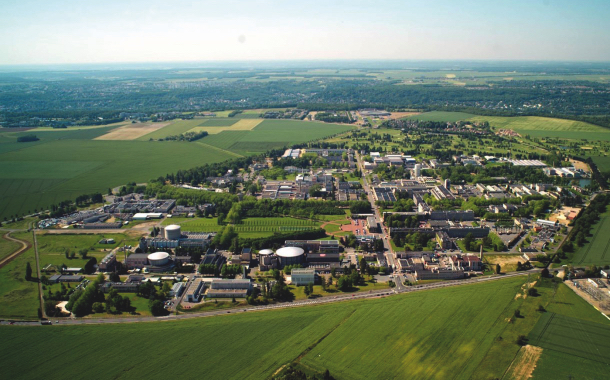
(241, 125)
(131, 131)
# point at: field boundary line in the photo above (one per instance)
(220, 149)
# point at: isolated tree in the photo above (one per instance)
(307, 292)
(114, 277)
(363, 265)
(28, 271)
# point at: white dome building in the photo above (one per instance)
(158, 259)
(265, 252)
(290, 255)
(172, 232)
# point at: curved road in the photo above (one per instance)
(24, 247)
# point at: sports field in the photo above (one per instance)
(597, 249)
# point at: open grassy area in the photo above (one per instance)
(7, 246)
(248, 228)
(441, 116)
(544, 127)
(597, 249)
(52, 247)
(18, 297)
(508, 263)
(534, 126)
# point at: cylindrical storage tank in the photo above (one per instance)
(158, 259)
(265, 252)
(172, 232)
(290, 255)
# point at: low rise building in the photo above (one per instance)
(303, 276)
(229, 289)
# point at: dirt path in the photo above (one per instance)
(24, 247)
(524, 364)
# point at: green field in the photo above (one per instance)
(597, 249)
(218, 122)
(547, 127)
(52, 247)
(7, 246)
(248, 228)
(67, 163)
(571, 346)
(18, 297)
(91, 166)
(534, 126)
(441, 116)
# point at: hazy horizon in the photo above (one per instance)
(37, 32)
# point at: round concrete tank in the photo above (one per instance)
(290, 255)
(158, 259)
(172, 232)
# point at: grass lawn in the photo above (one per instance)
(508, 263)
(18, 297)
(248, 228)
(7, 246)
(23, 224)
(52, 247)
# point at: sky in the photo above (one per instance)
(93, 31)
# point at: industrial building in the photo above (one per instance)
(154, 262)
(194, 290)
(324, 246)
(121, 287)
(65, 278)
(108, 263)
(267, 260)
(229, 289)
(173, 237)
(177, 289)
(303, 276)
(323, 262)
